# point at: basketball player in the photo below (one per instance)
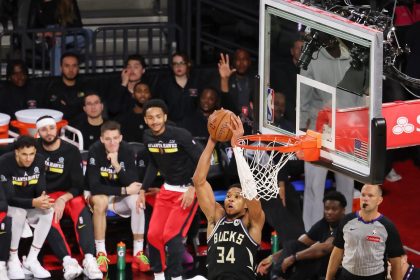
(233, 231)
(23, 170)
(64, 183)
(5, 230)
(113, 181)
(175, 154)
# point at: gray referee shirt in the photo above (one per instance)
(367, 244)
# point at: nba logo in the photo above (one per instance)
(270, 105)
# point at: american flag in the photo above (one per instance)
(360, 149)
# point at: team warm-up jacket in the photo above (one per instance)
(174, 152)
(63, 169)
(27, 182)
(101, 176)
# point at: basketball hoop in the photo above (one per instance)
(260, 157)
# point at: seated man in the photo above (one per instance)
(113, 180)
(64, 183)
(23, 170)
(89, 123)
(5, 231)
(132, 121)
(308, 256)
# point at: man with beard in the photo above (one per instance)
(64, 181)
(120, 98)
(308, 256)
(23, 171)
(234, 229)
(66, 95)
(237, 86)
(196, 121)
(89, 123)
(132, 122)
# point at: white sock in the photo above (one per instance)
(13, 255)
(177, 278)
(2, 264)
(137, 246)
(33, 254)
(100, 246)
(160, 276)
(66, 258)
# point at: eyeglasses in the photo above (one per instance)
(182, 63)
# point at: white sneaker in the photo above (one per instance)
(15, 270)
(393, 176)
(90, 267)
(35, 268)
(3, 271)
(71, 268)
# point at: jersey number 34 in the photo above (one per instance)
(222, 257)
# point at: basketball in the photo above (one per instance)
(217, 125)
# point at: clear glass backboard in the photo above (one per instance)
(322, 72)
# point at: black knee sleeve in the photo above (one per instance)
(84, 229)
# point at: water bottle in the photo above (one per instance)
(274, 242)
(121, 275)
(121, 256)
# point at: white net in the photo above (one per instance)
(258, 169)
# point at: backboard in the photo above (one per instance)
(337, 90)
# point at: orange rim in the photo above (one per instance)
(307, 147)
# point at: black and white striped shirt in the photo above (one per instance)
(367, 244)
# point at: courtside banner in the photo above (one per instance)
(352, 131)
(402, 123)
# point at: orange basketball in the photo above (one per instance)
(217, 125)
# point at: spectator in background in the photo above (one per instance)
(67, 94)
(283, 78)
(237, 86)
(120, 98)
(196, 121)
(18, 93)
(179, 91)
(132, 122)
(89, 122)
(57, 14)
(329, 68)
(279, 113)
(308, 256)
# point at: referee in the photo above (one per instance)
(364, 241)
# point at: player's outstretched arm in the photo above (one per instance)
(205, 196)
(255, 213)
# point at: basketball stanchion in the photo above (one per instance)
(260, 157)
